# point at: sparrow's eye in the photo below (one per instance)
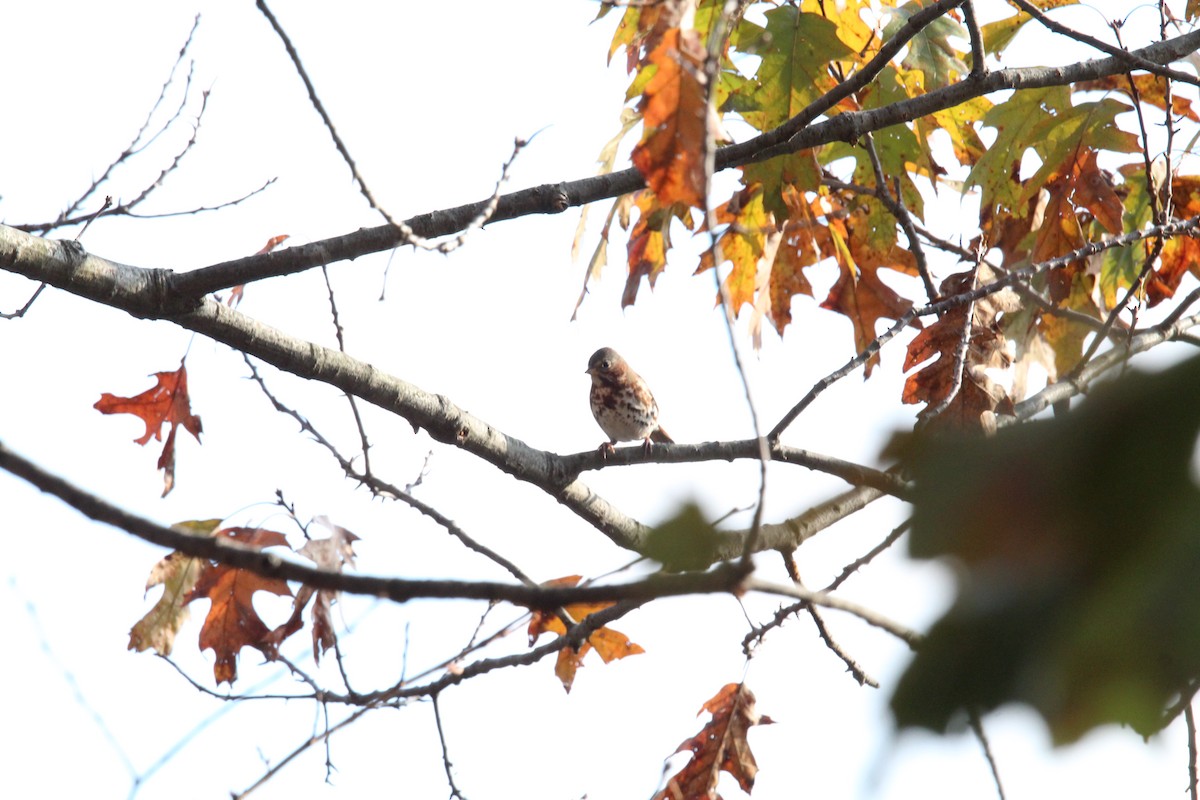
(605, 365)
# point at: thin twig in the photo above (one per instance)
(314, 739)
(858, 563)
(383, 488)
(712, 70)
(977, 727)
(905, 634)
(895, 205)
(20, 312)
(341, 340)
(1190, 718)
(978, 66)
(107, 204)
(407, 234)
(1132, 59)
(852, 666)
(437, 716)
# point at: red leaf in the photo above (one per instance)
(232, 622)
(165, 403)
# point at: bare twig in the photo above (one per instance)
(437, 717)
(872, 618)
(1131, 59)
(303, 746)
(977, 728)
(107, 204)
(20, 312)
(978, 67)
(407, 234)
(1190, 718)
(895, 204)
(859, 563)
(382, 488)
(341, 340)
(851, 665)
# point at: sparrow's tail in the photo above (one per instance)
(659, 435)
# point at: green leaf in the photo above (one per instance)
(1121, 266)
(1078, 546)
(1015, 121)
(930, 50)
(794, 169)
(686, 541)
(1058, 139)
(796, 49)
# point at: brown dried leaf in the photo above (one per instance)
(721, 745)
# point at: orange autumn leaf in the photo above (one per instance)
(863, 298)
(1151, 89)
(720, 746)
(165, 403)
(674, 110)
(232, 623)
(742, 244)
(649, 239)
(609, 643)
(1180, 255)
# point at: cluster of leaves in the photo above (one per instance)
(232, 622)
(607, 642)
(847, 203)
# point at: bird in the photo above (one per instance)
(622, 403)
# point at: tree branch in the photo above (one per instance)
(556, 198)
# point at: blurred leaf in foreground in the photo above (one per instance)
(1078, 547)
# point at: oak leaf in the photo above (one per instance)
(674, 110)
(649, 239)
(232, 623)
(741, 244)
(721, 745)
(332, 554)
(796, 49)
(1181, 254)
(166, 403)
(1151, 89)
(177, 574)
(864, 299)
(609, 643)
(977, 394)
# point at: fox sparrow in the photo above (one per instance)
(622, 403)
